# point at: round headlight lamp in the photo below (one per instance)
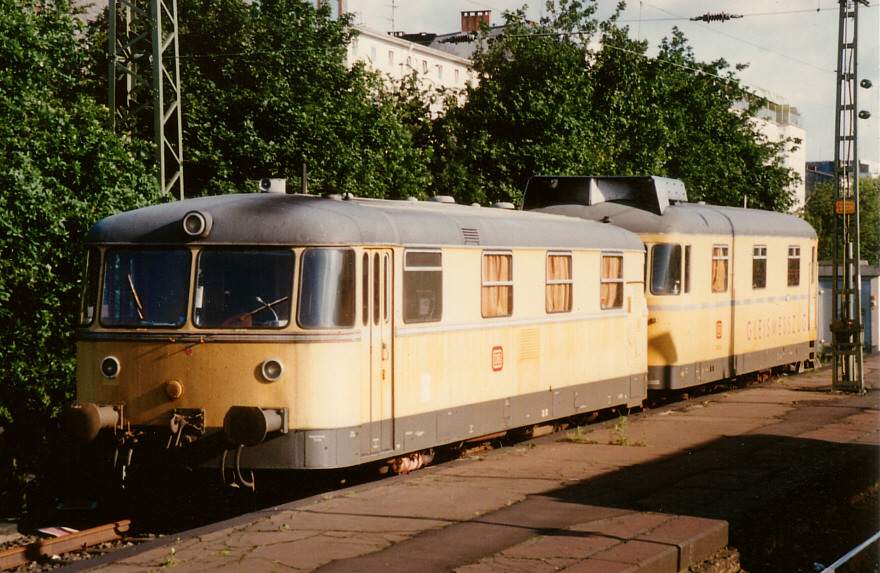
(197, 224)
(272, 369)
(110, 367)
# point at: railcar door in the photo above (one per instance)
(377, 283)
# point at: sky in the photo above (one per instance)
(790, 47)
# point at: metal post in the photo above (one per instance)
(166, 89)
(846, 325)
(140, 34)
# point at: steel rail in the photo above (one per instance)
(18, 556)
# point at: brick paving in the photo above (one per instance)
(691, 480)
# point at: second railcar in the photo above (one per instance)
(730, 291)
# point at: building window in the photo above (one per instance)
(422, 286)
(720, 260)
(759, 266)
(559, 283)
(794, 265)
(390, 57)
(424, 66)
(497, 291)
(456, 76)
(666, 269)
(611, 282)
(439, 72)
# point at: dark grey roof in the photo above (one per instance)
(653, 205)
(267, 219)
(690, 218)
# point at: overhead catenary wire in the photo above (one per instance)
(618, 48)
(679, 17)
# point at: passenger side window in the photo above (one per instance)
(611, 282)
(497, 285)
(759, 267)
(720, 260)
(666, 269)
(559, 282)
(794, 265)
(422, 286)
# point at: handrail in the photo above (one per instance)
(851, 554)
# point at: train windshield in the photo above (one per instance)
(243, 288)
(145, 287)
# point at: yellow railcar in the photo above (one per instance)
(729, 291)
(297, 331)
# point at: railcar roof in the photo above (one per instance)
(652, 205)
(691, 219)
(279, 219)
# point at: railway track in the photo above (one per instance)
(46, 549)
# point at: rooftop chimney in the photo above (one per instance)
(472, 19)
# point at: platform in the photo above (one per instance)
(656, 492)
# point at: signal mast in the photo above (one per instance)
(847, 329)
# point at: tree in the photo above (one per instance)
(60, 171)
(548, 102)
(675, 116)
(266, 90)
(530, 113)
(819, 212)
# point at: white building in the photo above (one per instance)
(398, 58)
(780, 121)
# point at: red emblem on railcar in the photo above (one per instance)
(497, 358)
(718, 329)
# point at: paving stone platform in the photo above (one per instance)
(685, 482)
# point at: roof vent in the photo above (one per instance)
(504, 205)
(443, 199)
(470, 236)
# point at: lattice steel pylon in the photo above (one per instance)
(846, 325)
(144, 70)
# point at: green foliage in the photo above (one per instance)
(618, 434)
(60, 171)
(529, 114)
(819, 212)
(547, 103)
(266, 90)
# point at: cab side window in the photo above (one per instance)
(327, 289)
(666, 269)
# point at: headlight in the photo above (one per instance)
(197, 224)
(110, 367)
(272, 369)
